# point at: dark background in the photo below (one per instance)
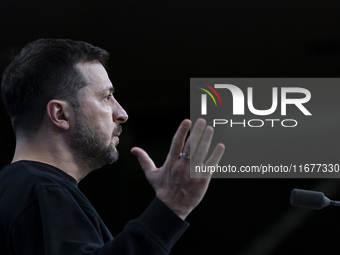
(156, 46)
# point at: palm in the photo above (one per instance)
(172, 182)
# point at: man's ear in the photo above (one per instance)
(59, 113)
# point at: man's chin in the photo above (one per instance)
(114, 155)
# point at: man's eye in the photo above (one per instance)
(107, 98)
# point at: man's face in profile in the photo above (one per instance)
(97, 119)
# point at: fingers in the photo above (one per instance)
(216, 155)
(213, 160)
(200, 152)
(144, 160)
(179, 139)
(198, 144)
(195, 137)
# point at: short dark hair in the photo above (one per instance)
(42, 71)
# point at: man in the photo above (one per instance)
(67, 123)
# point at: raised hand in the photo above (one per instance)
(172, 182)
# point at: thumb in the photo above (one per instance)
(145, 161)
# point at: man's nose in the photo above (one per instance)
(119, 115)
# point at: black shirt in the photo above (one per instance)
(42, 211)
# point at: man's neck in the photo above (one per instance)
(49, 153)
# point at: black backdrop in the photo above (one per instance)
(156, 46)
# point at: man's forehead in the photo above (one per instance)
(92, 70)
(95, 75)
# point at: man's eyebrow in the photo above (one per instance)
(110, 89)
(105, 91)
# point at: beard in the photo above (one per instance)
(89, 145)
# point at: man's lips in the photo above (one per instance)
(116, 137)
(116, 133)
